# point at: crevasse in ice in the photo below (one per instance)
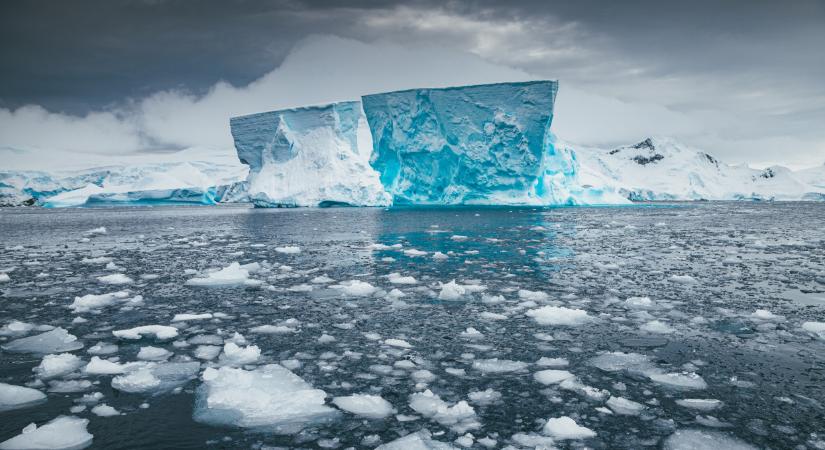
(307, 157)
(484, 144)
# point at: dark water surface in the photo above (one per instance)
(706, 269)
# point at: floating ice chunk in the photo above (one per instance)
(104, 410)
(95, 231)
(16, 328)
(53, 366)
(423, 376)
(157, 378)
(150, 353)
(397, 278)
(364, 405)
(496, 365)
(682, 279)
(657, 326)
(102, 348)
(231, 275)
(625, 407)
(639, 303)
(289, 250)
(689, 439)
(69, 386)
(115, 278)
(54, 341)
(471, 333)
(451, 291)
(420, 440)
(485, 397)
(533, 440)
(487, 315)
(573, 384)
(191, 317)
(551, 376)
(459, 417)
(633, 363)
(234, 355)
(4, 277)
(681, 381)
(92, 302)
(98, 366)
(816, 329)
(321, 279)
(702, 404)
(272, 329)
(559, 315)
(356, 288)
(16, 397)
(326, 339)
(536, 296)
(438, 256)
(552, 362)
(61, 433)
(161, 332)
(400, 343)
(207, 352)
(563, 428)
(269, 397)
(413, 252)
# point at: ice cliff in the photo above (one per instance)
(307, 157)
(484, 144)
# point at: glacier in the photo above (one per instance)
(197, 182)
(307, 157)
(482, 144)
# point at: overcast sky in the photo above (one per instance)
(739, 79)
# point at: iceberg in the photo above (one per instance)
(307, 157)
(483, 144)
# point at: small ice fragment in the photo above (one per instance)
(496, 365)
(552, 362)
(234, 355)
(625, 407)
(364, 405)
(4, 277)
(160, 332)
(54, 341)
(459, 417)
(61, 433)
(16, 328)
(397, 278)
(682, 381)
(207, 352)
(104, 410)
(53, 366)
(191, 317)
(816, 329)
(639, 303)
(400, 343)
(682, 279)
(413, 252)
(15, 397)
(689, 439)
(471, 333)
(357, 288)
(558, 315)
(563, 428)
(702, 404)
(451, 291)
(289, 250)
(232, 275)
(658, 327)
(485, 397)
(115, 278)
(535, 296)
(150, 353)
(551, 376)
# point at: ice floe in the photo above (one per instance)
(160, 332)
(559, 315)
(564, 428)
(61, 433)
(54, 341)
(365, 405)
(16, 397)
(459, 417)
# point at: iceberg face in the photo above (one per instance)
(307, 157)
(485, 144)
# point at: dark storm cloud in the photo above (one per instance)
(740, 77)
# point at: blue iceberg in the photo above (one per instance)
(307, 157)
(484, 144)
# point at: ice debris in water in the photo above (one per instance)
(191, 317)
(624, 406)
(61, 433)
(15, 397)
(356, 288)
(53, 366)
(16, 328)
(496, 365)
(289, 250)
(115, 278)
(420, 440)
(701, 404)
(156, 378)
(816, 329)
(690, 439)
(452, 291)
(365, 405)
(54, 341)
(558, 315)
(552, 376)
(460, 417)
(269, 398)
(563, 428)
(160, 332)
(95, 231)
(232, 275)
(4, 277)
(637, 364)
(397, 278)
(104, 410)
(92, 302)
(235, 355)
(150, 353)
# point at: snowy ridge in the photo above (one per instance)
(663, 169)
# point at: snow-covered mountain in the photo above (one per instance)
(663, 169)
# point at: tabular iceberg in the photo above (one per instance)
(484, 144)
(307, 157)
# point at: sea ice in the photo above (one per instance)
(232, 275)
(551, 376)
(701, 404)
(150, 353)
(157, 378)
(559, 315)
(356, 288)
(269, 397)
(191, 317)
(54, 341)
(816, 329)
(15, 397)
(92, 302)
(57, 365)
(16, 328)
(625, 407)
(160, 332)
(104, 410)
(459, 417)
(689, 439)
(365, 405)
(496, 365)
(61, 433)
(115, 278)
(564, 428)
(451, 291)
(235, 355)
(420, 440)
